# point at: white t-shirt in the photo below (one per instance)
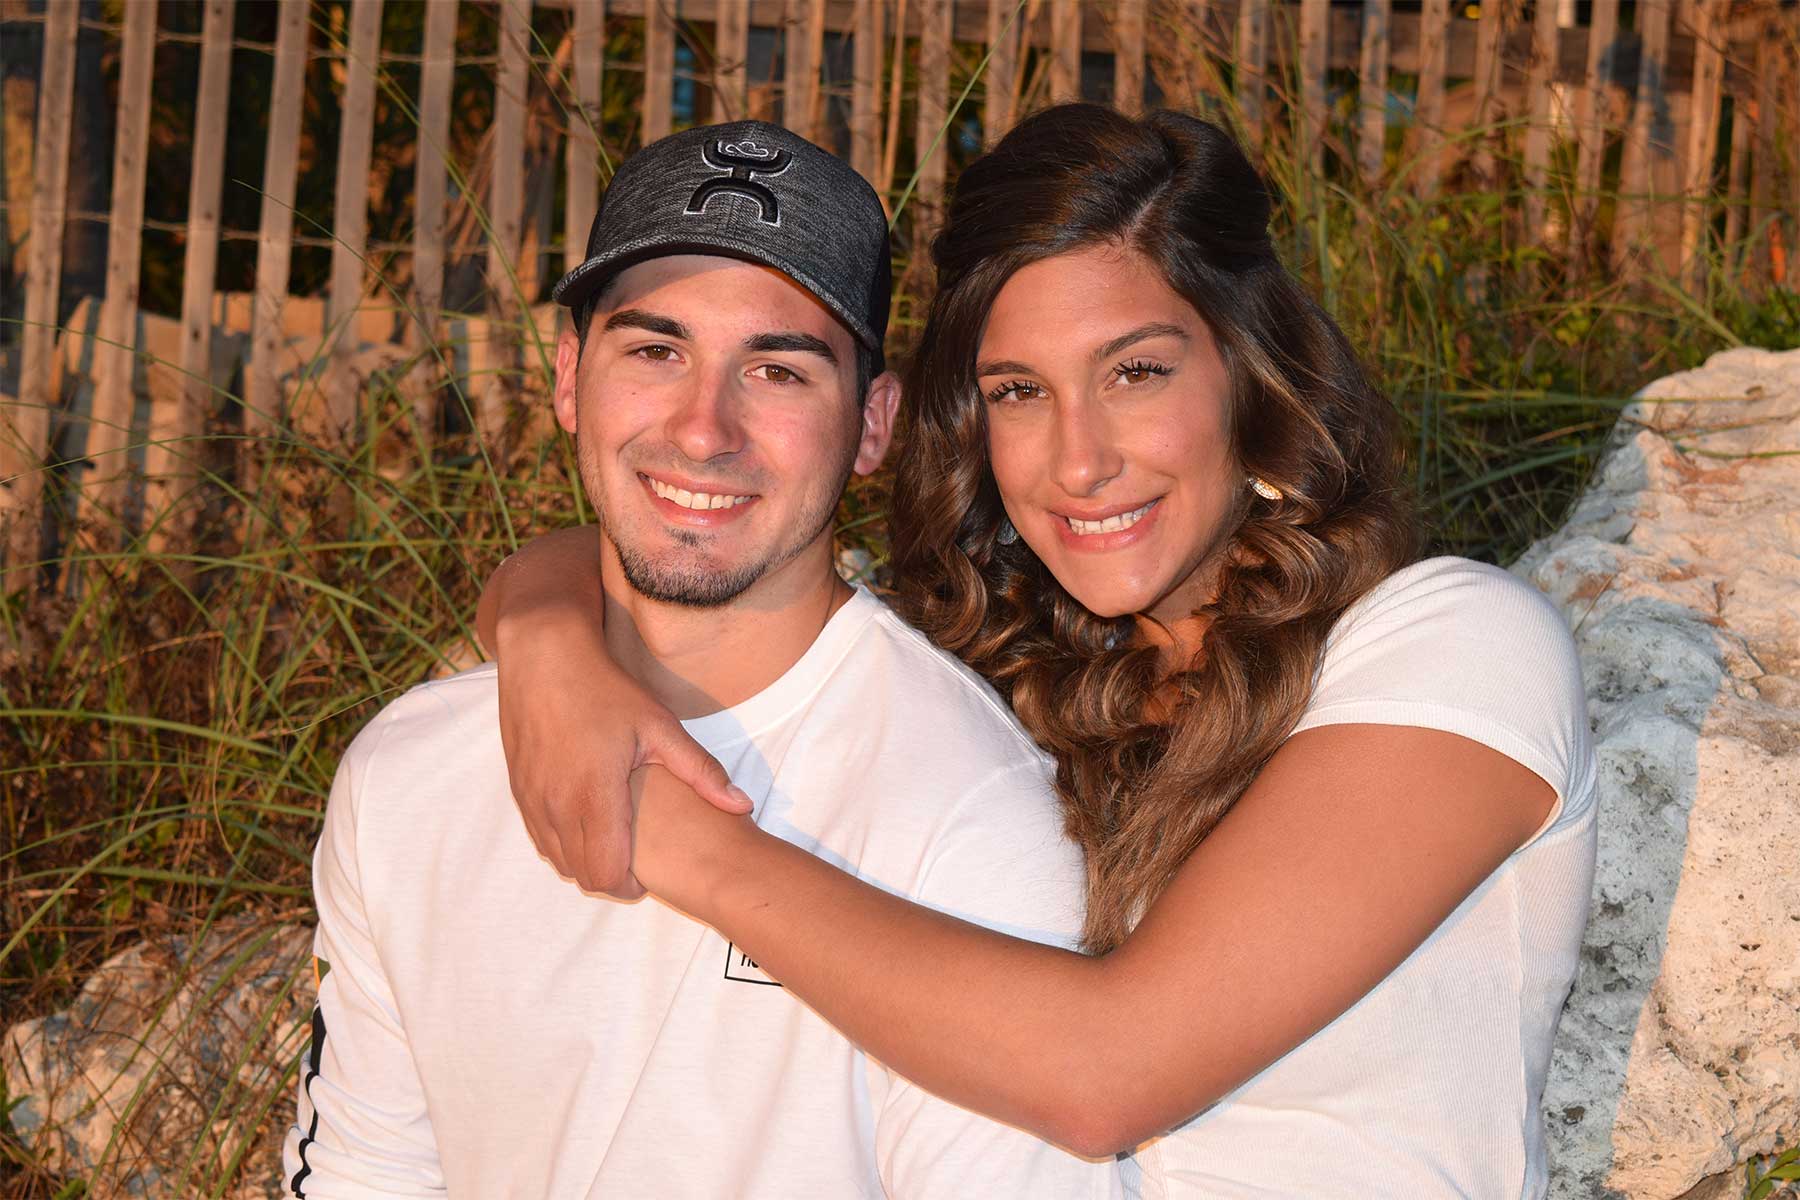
(1429, 1085)
(485, 1029)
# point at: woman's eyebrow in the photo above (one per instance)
(1002, 366)
(1007, 366)
(1141, 333)
(804, 343)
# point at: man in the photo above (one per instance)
(484, 1027)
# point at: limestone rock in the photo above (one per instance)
(1678, 1057)
(174, 1061)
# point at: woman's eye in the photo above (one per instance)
(1139, 372)
(1016, 389)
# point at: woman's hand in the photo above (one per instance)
(683, 845)
(573, 724)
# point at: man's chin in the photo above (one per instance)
(690, 586)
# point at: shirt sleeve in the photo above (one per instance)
(1002, 861)
(362, 1129)
(1469, 649)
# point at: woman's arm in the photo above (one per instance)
(541, 616)
(1338, 862)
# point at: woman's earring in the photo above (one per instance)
(1007, 535)
(1264, 488)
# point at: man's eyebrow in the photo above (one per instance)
(637, 318)
(1141, 333)
(803, 343)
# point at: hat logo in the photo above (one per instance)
(742, 162)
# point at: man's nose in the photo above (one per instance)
(706, 422)
(1083, 454)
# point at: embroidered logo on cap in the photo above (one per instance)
(742, 162)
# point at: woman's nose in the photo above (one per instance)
(1085, 456)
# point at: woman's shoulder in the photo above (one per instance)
(1462, 646)
(1449, 591)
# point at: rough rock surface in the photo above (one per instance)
(1678, 1056)
(175, 1061)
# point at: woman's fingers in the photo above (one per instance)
(669, 745)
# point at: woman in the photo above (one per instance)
(1337, 810)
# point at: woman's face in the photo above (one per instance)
(1108, 431)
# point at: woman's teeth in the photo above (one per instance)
(1111, 524)
(696, 500)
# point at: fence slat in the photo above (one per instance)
(1372, 88)
(1065, 52)
(1539, 77)
(1635, 176)
(1791, 89)
(800, 68)
(999, 106)
(1428, 115)
(1128, 59)
(1593, 118)
(659, 69)
(350, 219)
(1765, 215)
(1186, 71)
(275, 243)
(506, 216)
(1253, 66)
(890, 140)
(109, 427)
(430, 188)
(934, 106)
(865, 88)
(582, 150)
(24, 451)
(169, 456)
(1703, 134)
(731, 76)
(1315, 34)
(1490, 36)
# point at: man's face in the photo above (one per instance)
(716, 422)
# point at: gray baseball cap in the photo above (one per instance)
(748, 190)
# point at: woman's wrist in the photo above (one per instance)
(686, 851)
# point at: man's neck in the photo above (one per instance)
(701, 660)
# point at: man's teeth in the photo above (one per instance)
(1111, 524)
(696, 500)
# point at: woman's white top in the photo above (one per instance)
(1430, 1084)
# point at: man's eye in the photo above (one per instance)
(656, 353)
(776, 373)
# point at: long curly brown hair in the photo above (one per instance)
(1144, 783)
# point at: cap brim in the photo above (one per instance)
(582, 283)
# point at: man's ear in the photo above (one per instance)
(568, 354)
(879, 407)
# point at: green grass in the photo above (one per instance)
(170, 718)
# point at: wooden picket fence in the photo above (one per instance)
(1687, 83)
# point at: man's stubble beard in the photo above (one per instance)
(691, 584)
